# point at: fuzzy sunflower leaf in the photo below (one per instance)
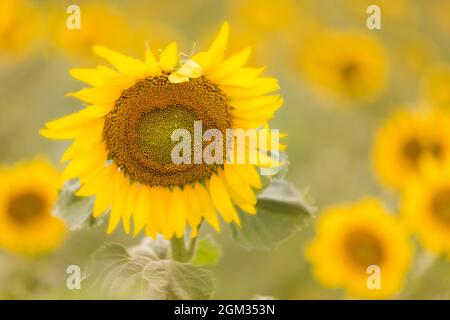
(139, 273)
(76, 212)
(281, 212)
(208, 252)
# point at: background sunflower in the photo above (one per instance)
(332, 124)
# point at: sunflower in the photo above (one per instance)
(426, 207)
(27, 193)
(436, 86)
(352, 237)
(265, 15)
(346, 65)
(405, 140)
(122, 148)
(99, 24)
(19, 26)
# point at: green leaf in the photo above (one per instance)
(75, 211)
(207, 253)
(281, 212)
(139, 273)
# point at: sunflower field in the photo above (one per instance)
(121, 175)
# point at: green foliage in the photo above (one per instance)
(281, 211)
(208, 253)
(141, 273)
(75, 211)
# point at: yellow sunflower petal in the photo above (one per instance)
(249, 174)
(81, 164)
(117, 208)
(59, 134)
(207, 207)
(128, 207)
(142, 212)
(98, 96)
(179, 211)
(231, 65)
(221, 199)
(256, 102)
(151, 65)
(194, 214)
(91, 76)
(259, 86)
(122, 63)
(87, 138)
(238, 184)
(243, 77)
(97, 182)
(217, 49)
(169, 57)
(104, 196)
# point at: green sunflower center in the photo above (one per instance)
(441, 206)
(26, 207)
(363, 248)
(138, 131)
(414, 149)
(155, 128)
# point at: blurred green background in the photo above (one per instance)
(330, 139)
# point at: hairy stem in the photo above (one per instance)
(178, 250)
(181, 252)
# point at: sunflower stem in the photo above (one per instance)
(178, 249)
(193, 243)
(182, 252)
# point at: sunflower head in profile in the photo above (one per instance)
(426, 207)
(345, 65)
(27, 194)
(122, 148)
(350, 239)
(405, 140)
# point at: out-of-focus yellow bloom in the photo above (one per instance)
(155, 34)
(414, 53)
(100, 24)
(264, 15)
(405, 140)
(19, 26)
(27, 194)
(436, 87)
(352, 237)
(440, 13)
(426, 207)
(347, 65)
(122, 148)
(398, 10)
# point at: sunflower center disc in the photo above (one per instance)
(441, 206)
(364, 249)
(25, 207)
(414, 149)
(138, 130)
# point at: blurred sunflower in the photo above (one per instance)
(122, 148)
(405, 140)
(100, 24)
(349, 239)
(426, 207)
(436, 86)
(27, 193)
(347, 65)
(264, 15)
(19, 26)
(392, 11)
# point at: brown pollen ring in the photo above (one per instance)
(137, 131)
